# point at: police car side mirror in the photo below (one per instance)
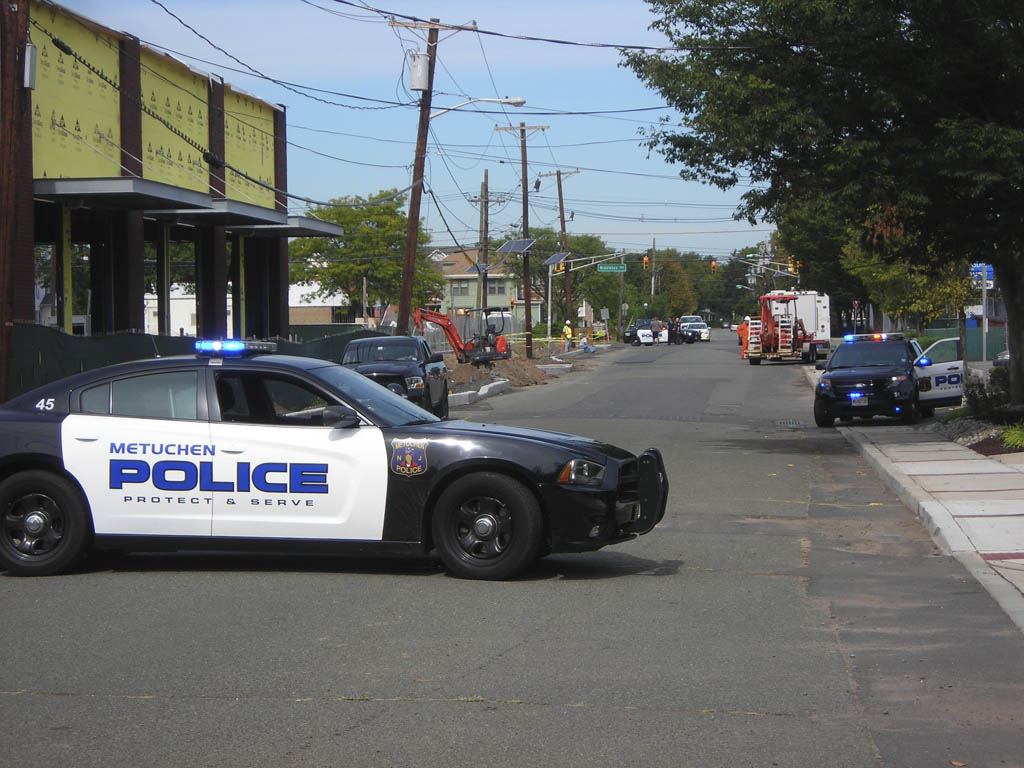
(340, 416)
(819, 365)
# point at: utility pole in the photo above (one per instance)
(416, 192)
(523, 128)
(565, 243)
(483, 255)
(654, 255)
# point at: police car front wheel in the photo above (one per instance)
(487, 526)
(45, 524)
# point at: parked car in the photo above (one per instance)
(405, 365)
(887, 375)
(1003, 358)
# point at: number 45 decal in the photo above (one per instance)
(46, 404)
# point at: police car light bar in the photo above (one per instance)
(233, 347)
(871, 336)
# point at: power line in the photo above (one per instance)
(552, 40)
(252, 69)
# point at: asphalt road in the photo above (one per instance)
(788, 611)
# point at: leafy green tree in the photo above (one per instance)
(373, 247)
(912, 293)
(896, 118)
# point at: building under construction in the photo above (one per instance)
(113, 155)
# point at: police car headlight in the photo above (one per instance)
(414, 383)
(825, 385)
(896, 380)
(582, 472)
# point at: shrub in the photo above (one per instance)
(1013, 436)
(985, 396)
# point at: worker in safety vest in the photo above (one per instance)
(567, 336)
(741, 331)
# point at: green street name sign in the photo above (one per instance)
(611, 267)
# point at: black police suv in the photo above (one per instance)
(239, 448)
(406, 366)
(884, 374)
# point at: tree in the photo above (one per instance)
(372, 247)
(898, 118)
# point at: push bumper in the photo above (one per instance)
(588, 519)
(652, 488)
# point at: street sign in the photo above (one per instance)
(611, 267)
(978, 269)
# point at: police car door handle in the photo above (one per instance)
(233, 449)
(87, 438)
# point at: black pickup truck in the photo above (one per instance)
(406, 366)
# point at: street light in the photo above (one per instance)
(512, 101)
(745, 288)
(413, 227)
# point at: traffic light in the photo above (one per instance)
(792, 265)
(714, 266)
(647, 262)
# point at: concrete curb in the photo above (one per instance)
(487, 390)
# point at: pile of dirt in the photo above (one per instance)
(519, 370)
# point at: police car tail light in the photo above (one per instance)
(232, 347)
(414, 382)
(582, 472)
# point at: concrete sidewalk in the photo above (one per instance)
(972, 505)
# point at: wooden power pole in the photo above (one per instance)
(527, 292)
(419, 161)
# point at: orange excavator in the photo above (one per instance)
(480, 349)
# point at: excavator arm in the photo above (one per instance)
(479, 350)
(421, 316)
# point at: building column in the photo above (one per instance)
(211, 283)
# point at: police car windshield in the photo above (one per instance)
(387, 408)
(869, 354)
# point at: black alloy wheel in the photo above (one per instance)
(487, 526)
(45, 524)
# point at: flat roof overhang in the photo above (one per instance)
(222, 213)
(296, 226)
(119, 193)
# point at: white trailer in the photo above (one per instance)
(812, 308)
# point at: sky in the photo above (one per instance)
(626, 195)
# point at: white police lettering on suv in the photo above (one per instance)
(239, 448)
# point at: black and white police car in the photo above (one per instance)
(886, 374)
(240, 448)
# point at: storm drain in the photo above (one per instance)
(790, 423)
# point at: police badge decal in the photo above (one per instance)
(408, 457)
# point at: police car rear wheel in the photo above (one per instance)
(487, 526)
(45, 526)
